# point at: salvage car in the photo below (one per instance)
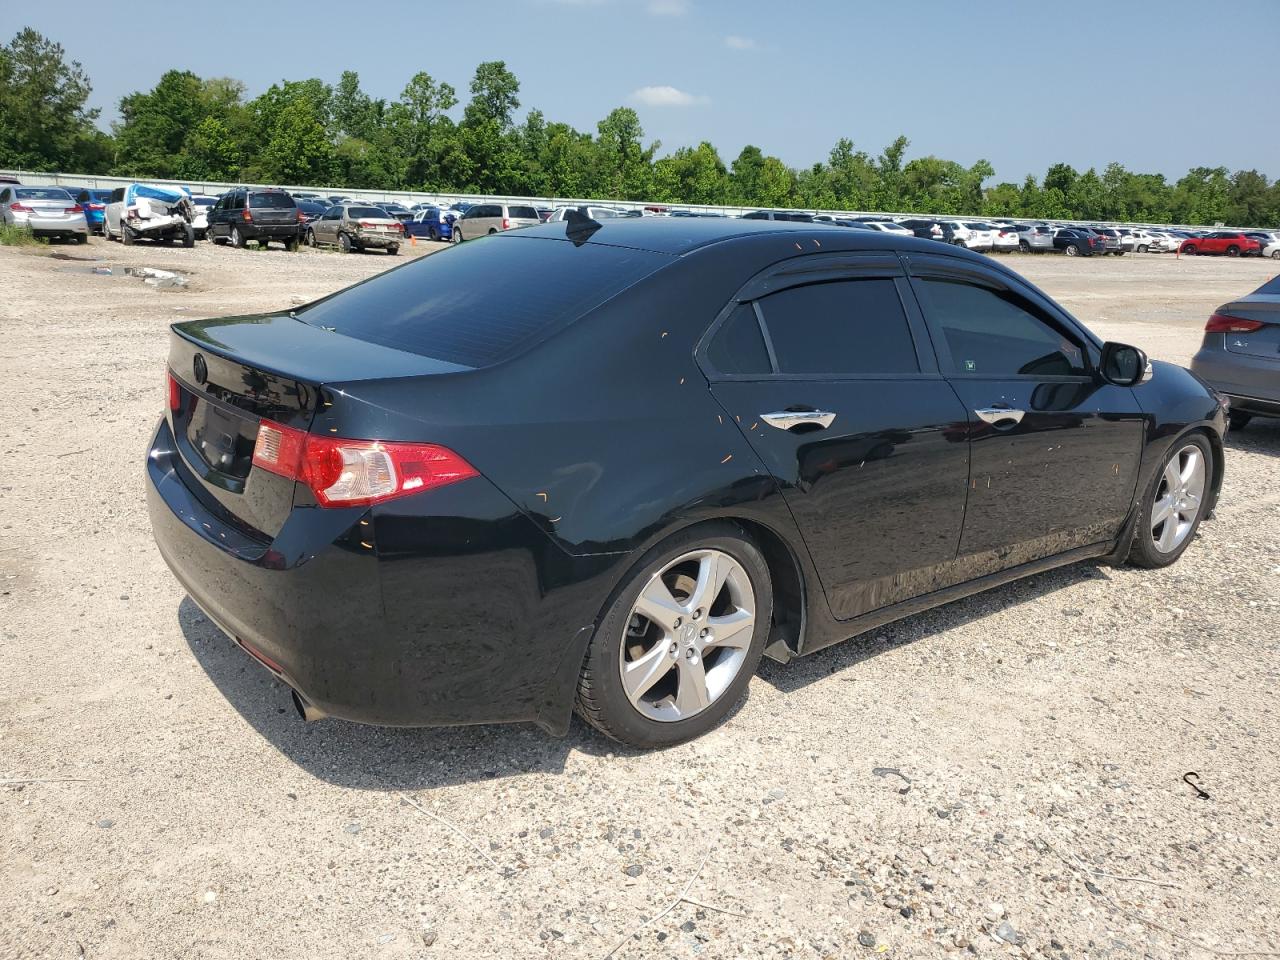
(611, 464)
(352, 227)
(143, 211)
(257, 214)
(1240, 355)
(45, 211)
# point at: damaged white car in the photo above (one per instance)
(144, 211)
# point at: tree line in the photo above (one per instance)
(309, 132)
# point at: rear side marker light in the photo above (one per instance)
(175, 394)
(1222, 323)
(349, 473)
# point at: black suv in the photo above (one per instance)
(248, 213)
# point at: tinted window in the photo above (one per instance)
(523, 213)
(844, 327)
(376, 212)
(1272, 286)
(995, 333)
(41, 193)
(271, 201)
(481, 303)
(738, 346)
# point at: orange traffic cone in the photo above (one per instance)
(413, 239)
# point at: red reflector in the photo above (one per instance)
(348, 473)
(175, 394)
(1222, 323)
(506, 224)
(246, 215)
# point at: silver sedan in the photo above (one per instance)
(45, 211)
(1240, 355)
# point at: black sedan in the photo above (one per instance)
(612, 465)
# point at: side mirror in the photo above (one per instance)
(1123, 365)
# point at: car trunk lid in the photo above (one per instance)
(231, 374)
(1263, 342)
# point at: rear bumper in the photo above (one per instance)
(270, 231)
(377, 241)
(55, 226)
(1251, 383)
(394, 618)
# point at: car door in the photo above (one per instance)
(1054, 449)
(828, 373)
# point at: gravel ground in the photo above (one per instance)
(1044, 727)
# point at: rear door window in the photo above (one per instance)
(840, 328)
(738, 346)
(996, 333)
(523, 213)
(270, 201)
(478, 304)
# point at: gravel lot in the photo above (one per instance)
(1045, 726)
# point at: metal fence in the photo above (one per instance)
(410, 197)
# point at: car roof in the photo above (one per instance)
(677, 235)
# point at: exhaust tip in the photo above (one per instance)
(306, 711)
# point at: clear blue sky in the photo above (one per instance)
(1158, 86)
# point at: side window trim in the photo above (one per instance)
(764, 332)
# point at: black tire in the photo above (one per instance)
(1143, 248)
(433, 234)
(601, 699)
(189, 237)
(82, 238)
(1238, 419)
(456, 236)
(1072, 250)
(291, 245)
(344, 243)
(393, 250)
(1233, 251)
(1119, 253)
(1143, 552)
(126, 234)
(492, 231)
(1275, 254)
(309, 238)
(1190, 251)
(1024, 247)
(237, 238)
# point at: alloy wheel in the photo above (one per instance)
(1178, 499)
(688, 635)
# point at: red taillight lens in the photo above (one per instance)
(365, 224)
(97, 206)
(301, 218)
(350, 473)
(246, 215)
(506, 224)
(175, 394)
(76, 209)
(19, 208)
(1222, 323)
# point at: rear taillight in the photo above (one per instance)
(97, 206)
(506, 224)
(246, 215)
(19, 208)
(352, 473)
(175, 394)
(301, 218)
(76, 209)
(1223, 323)
(365, 225)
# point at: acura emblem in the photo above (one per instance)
(200, 369)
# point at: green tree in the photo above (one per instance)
(625, 162)
(44, 121)
(692, 175)
(491, 149)
(297, 149)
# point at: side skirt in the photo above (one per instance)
(846, 629)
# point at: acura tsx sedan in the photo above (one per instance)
(609, 466)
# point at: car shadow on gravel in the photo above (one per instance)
(842, 656)
(1262, 435)
(378, 758)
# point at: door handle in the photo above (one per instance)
(789, 419)
(1000, 414)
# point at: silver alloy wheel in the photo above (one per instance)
(1178, 499)
(688, 635)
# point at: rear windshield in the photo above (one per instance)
(274, 201)
(376, 212)
(41, 193)
(484, 301)
(1272, 286)
(523, 213)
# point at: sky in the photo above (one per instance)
(1160, 87)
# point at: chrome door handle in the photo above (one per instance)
(995, 415)
(787, 419)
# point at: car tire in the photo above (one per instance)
(1238, 419)
(344, 243)
(1024, 247)
(1275, 254)
(492, 231)
(126, 234)
(649, 716)
(82, 238)
(189, 237)
(237, 238)
(291, 245)
(1150, 548)
(1143, 248)
(1233, 251)
(1190, 251)
(455, 236)
(1119, 253)
(309, 238)
(433, 234)
(393, 250)
(1071, 250)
